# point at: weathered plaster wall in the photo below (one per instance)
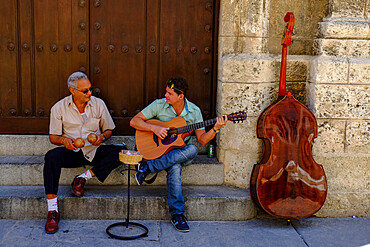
(328, 70)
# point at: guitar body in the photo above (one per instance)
(152, 147)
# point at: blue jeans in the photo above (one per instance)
(172, 163)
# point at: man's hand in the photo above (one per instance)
(221, 121)
(204, 137)
(139, 123)
(98, 141)
(161, 132)
(68, 143)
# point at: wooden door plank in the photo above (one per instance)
(153, 49)
(26, 55)
(46, 28)
(9, 93)
(80, 38)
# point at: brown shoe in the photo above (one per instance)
(52, 221)
(78, 186)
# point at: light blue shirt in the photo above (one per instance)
(164, 112)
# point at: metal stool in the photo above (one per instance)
(129, 161)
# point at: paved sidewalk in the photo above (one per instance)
(264, 231)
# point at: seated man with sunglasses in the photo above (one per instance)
(174, 104)
(74, 116)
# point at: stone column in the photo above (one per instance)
(244, 78)
(339, 95)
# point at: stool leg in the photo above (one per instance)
(128, 197)
(127, 223)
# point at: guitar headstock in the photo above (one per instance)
(237, 117)
(288, 31)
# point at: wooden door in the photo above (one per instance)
(128, 48)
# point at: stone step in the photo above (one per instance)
(203, 203)
(28, 170)
(40, 144)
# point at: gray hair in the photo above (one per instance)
(72, 79)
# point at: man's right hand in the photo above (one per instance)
(139, 122)
(161, 132)
(62, 140)
(68, 143)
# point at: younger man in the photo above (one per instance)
(174, 104)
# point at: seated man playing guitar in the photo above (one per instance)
(173, 105)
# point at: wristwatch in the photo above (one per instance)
(105, 139)
(215, 130)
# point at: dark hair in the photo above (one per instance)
(179, 84)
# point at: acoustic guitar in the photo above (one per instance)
(152, 147)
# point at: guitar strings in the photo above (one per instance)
(196, 126)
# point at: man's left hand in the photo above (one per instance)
(99, 140)
(221, 121)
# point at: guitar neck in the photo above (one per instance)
(191, 127)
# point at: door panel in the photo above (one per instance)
(186, 39)
(118, 39)
(61, 47)
(51, 46)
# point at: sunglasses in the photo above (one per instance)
(171, 85)
(86, 90)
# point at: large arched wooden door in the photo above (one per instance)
(129, 48)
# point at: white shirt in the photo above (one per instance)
(66, 120)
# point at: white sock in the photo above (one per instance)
(86, 175)
(53, 204)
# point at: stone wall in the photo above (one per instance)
(328, 70)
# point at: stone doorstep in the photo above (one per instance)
(28, 170)
(203, 203)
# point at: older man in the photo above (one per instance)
(74, 116)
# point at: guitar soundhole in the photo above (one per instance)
(155, 139)
(169, 139)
